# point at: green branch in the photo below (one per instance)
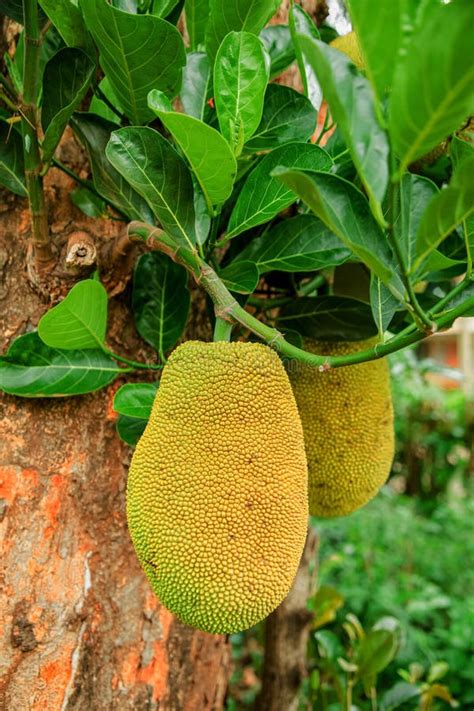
(29, 111)
(222, 329)
(227, 307)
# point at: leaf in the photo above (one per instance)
(130, 429)
(245, 15)
(304, 25)
(14, 9)
(160, 300)
(352, 105)
(449, 208)
(415, 194)
(136, 399)
(197, 13)
(277, 41)
(345, 211)
(68, 20)
(101, 108)
(371, 21)
(336, 318)
(30, 368)
(241, 276)
(324, 605)
(197, 86)
(298, 244)
(375, 652)
(383, 304)
(399, 694)
(137, 53)
(433, 84)
(437, 671)
(94, 132)
(79, 321)
(65, 82)
(241, 73)
(263, 196)
(162, 8)
(202, 220)
(12, 170)
(206, 150)
(158, 173)
(88, 202)
(287, 116)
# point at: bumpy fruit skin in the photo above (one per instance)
(349, 44)
(217, 491)
(347, 421)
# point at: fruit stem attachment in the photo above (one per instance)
(226, 304)
(222, 329)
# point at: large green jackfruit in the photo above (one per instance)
(217, 491)
(347, 421)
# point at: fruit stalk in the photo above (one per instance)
(227, 306)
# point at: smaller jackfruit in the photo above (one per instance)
(217, 500)
(349, 45)
(347, 421)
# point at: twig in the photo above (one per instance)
(41, 244)
(224, 302)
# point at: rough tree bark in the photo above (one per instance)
(286, 638)
(81, 628)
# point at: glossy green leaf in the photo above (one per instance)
(376, 651)
(136, 399)
(373, 20)
(416, 193)
(304, 25)
(298, 244)
(324, 605)
(14, 9)
(162, 8)
(277, 41)
(197, 13)
(241, 276)
(30, 368)
(336, 318)
(196, 89)
(236, 15)
(383, 304)
(94, 132)
(79, 321)
(433, 85)
(241, 73)
(263, 196)
(65, 81)
(130, 429)
(208, 153)
(160, 300)
(137, 53)
(88, 202)
(202, 219)
(449, 208)
(287, 116)
(101, 108)
(158, 173)
(68, 20)
(12, 170)
(460, 151)
(351, 100)
(345, 211)
(398, 695)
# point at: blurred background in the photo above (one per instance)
(399, 573)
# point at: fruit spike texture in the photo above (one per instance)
(347, 421)
(217, 492)
(349, 44)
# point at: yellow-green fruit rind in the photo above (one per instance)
(347, 421)
(349, 45)
(217, 491)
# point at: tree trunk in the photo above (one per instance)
(286, 639)
(82, 629)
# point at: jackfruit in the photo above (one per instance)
(347, 421)
(217, 491)
(349, 45)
